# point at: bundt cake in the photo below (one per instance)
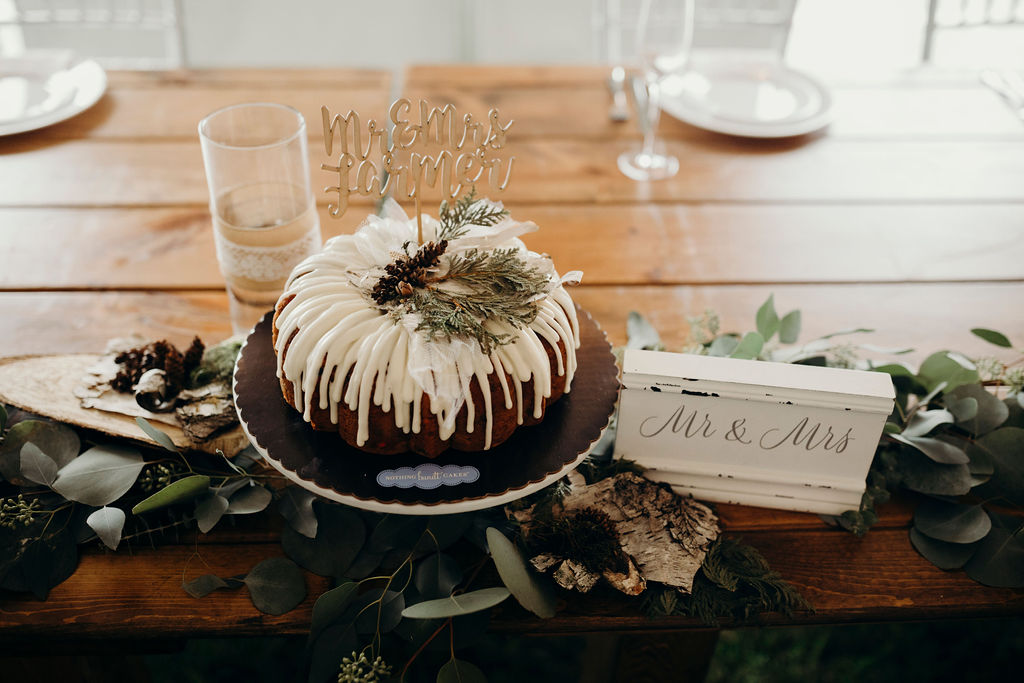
(453, 343)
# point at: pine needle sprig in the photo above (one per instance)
(466, 211)
(493, 286)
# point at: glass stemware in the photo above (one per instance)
(663, 33)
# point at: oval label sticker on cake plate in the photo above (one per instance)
(532, 458)
(428, 476)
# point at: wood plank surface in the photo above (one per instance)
(571, 102)
(337, 77)
(88, 173)
(846, 580)
(569, 111)
(925, 317)
(163, 248)
(906, 215)
(175, 111)
(101, 173)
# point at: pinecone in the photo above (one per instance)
(194, 355)
(407, 272)
(160, 355)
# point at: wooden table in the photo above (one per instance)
(906, 216)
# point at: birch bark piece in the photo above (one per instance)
(46, 386)
(667, 535)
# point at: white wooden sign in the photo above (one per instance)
(775, 435)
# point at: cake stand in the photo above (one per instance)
(411, 484)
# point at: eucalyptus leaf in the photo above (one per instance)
(296, 506)
(460, 671)
(383, 616)
(998, 560)
(981, 466)
(203, 585)
(209, 511)
(936, 449)
(231, 486)
(518, 577)
(436, 575)
(364, 564)
(640, 334)
(940, 553)
(396, 531)
(276, 585)
(850, 330)
(925, 421)
(963, 409)
(177, 491)
(330, 606)
(789, 328)
(3, 419)
(749, 347)
(100, 475)
(1005, 448)
(108, 523)
(891, 428)
(156, 435)
(723, 345)
(1015, 412)
(952, 522)
(41, 564)
(947, 366)
(59, 442)
(250, 500)
(36, 466)
(992, 337)
(924, 475)
(339, 538)
(894, 370)
(443, 531)
(767, 319)
(456, 605)
(991, 411)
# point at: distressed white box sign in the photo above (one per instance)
(778, 435)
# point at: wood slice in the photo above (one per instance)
(45, 385)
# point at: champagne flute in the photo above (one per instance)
(664, 32)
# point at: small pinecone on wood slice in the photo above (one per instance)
(160, 355)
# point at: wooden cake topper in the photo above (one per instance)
(437, 151)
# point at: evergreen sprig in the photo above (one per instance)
(493, 286)
(734, 582)
(466, 211)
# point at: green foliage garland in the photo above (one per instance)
(956, 437)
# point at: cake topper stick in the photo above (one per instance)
(438, 150)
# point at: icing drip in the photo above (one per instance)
(333, 333)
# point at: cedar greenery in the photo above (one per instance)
(465, 212)
(734, 582)
(460, 295)
(492, 286)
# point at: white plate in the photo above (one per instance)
(37, 92)
(748, 97)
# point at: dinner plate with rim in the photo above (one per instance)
(40, 89)
(747, 95)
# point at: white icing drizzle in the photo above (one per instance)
(333, 331)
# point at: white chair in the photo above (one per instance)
(969, 14)
(120, 34)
